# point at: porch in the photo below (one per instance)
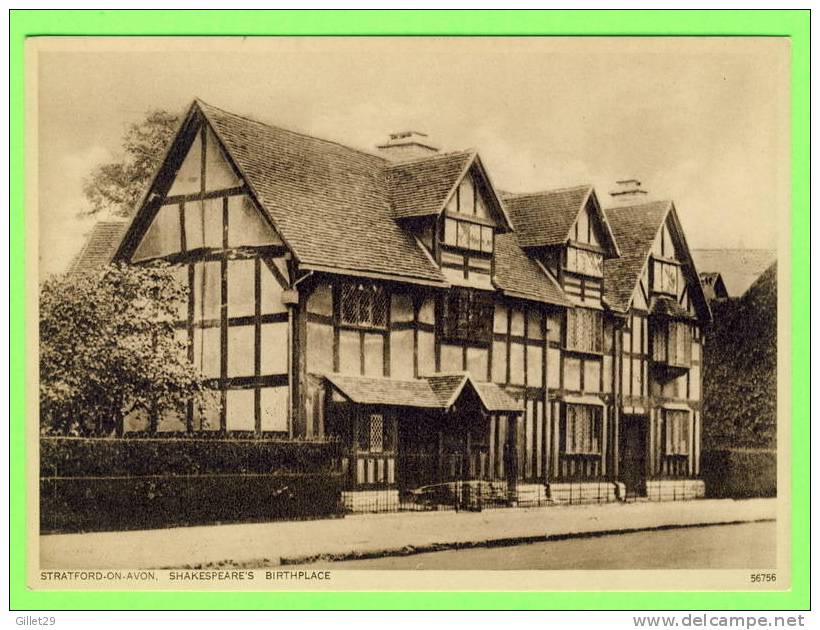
(440, 442)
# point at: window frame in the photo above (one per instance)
(460, 223)
(676, 422)
(372, 292)
(364, 434)
(659, 266)
(594, 429)
(662, 331)
(473, 306)
(571, 322)
(588, 250)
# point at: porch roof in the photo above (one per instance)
(437, 391)
(370, 390)
(670, 307)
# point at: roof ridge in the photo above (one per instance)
(645, 204)
(374, 377)
(200, 102)
(449, 373)
(733, 249)
(538, 193)
(433, 156)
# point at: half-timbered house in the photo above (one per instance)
(654, 287)
(566, 231)
(396, 301)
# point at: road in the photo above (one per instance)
(742, 546)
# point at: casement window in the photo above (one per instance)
(583, 430)
(376, 433)
(665, 277)
(672, 343)
(585, 330)
(467, 316)
(364, 305)
(468, 235)
(676, 432)
(585, 262)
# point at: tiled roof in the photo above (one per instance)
(448, 388)
(331, 203)
(421, 187)
(634, 228)
(668, 306)
(519, 275)
(545, 218)
(366, 390)
(713, 286)
(496, 399)
(739, 268)
(99, 248)
(336, 207)
(437, 391)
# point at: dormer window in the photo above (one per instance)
(468, 235)
(467, 222)
(665, 277)
(585, 261)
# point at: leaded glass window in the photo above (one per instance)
(468, 316)
(584, 261)
(364, 305)
(676, 429)
(583, 429)
(468, 235)
(665, 278)
(585, 330)
(672, 343)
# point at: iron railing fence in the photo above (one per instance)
(475, 495)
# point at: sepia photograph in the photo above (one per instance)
(417, 313)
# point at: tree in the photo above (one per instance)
(108, 347)
(116, 186)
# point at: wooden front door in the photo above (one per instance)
(418, 449)
(436, 447)
(633, 454)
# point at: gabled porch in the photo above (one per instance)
(420, 437)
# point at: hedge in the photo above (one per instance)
(740, 370)
(112, 457)
(118, 484)
(740, 473)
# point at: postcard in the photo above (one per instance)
(408, 313)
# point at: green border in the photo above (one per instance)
(788, 23)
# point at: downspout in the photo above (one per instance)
(291, 337)
(617, 360)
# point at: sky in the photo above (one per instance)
(698, 121)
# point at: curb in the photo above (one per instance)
(410, 550)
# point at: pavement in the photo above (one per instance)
(377, 535)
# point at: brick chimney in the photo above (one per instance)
(407, 145)
(628, 192)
